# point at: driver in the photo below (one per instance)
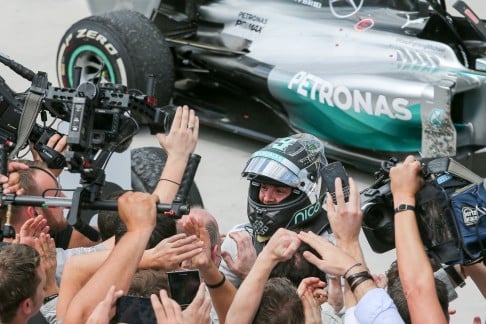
(286, 189)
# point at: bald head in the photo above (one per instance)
(209, 221)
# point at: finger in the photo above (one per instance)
(354, 196)
(170, 306)
(176, 122)
(16, 166)
(195, 131)
(338, 184)
(187, 255)
(185, 118)
(312, 258)
(229, 260)
(199, 298)
(331, 211)
(158, 309)
(312, 239)
(61, 145)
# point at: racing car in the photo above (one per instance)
(371, 78)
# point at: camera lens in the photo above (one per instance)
(376, 215)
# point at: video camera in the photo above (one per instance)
(103, 118)
(450, 211)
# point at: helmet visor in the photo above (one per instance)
(261, 166)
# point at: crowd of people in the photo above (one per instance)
(297, 260)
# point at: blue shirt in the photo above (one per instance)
(376, 306)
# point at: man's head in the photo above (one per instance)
(395, 290)
(286, 187)
(22, 281)
(39, 181)
(165, 227)
(280, 303)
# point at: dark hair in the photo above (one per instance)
(280, 304)
(395, 290)
(297, 267)
(147, 282)
(165, 227)
(18, 278)
(109, 220)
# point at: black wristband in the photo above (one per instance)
(219, 284)
(49, 298)
(404, 207)
(358, 282)
(357, 275)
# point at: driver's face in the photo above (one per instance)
(271, 194)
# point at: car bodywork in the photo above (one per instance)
(386, 80)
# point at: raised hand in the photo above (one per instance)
(198, 312)
(345, 218)
(183, 135)
(167, 311)
(282, 245)
(331, 259)
(105, 309)
(138, 210)
(31, 230)
(11, 184)
(246, 254)
(170, 252)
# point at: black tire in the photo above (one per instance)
(147, 164)
(121, 47)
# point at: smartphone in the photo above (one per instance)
(331, 172)
(134, 309)
(183, 286)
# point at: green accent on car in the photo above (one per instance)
(347, 127)
(95, 51)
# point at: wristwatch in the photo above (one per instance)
(404, 207)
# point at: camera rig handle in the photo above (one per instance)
(185, 186)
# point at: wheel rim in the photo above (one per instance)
(93, 63)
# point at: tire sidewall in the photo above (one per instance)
(91, 38)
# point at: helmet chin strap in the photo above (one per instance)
(262, 239)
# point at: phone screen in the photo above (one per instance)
(133, 309)
(183, 286)
(331, 172)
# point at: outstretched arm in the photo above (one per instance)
(137, 210)
(416, 275)
(178, 144)
(281, 247)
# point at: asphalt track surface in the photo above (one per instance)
(30, 32)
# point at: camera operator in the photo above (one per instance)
(416, 274)
(37, 180)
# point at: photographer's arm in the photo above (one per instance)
(178, 144)
(416, 275)
(138, 211)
